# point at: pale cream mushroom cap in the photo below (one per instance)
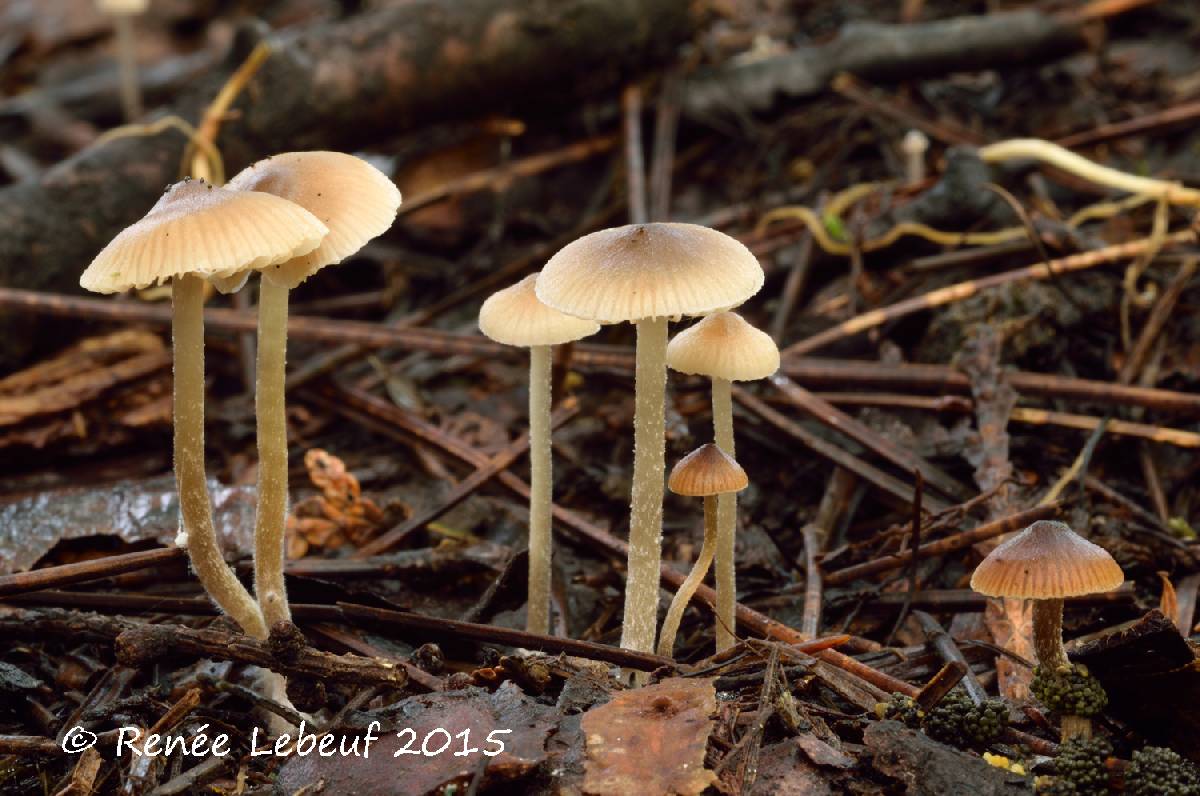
(514, 316)
(195, 228)
(123, 6)
(1046, 561)
(707, 471)
(724, 346)
(643, 271)
(350, 196)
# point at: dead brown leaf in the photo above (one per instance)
(651, 740)
(340, 514)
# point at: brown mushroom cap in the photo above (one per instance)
(196, 228)
(353, 198)
(514, 316)
(643, 271)
(724, 346)
(1046, 561)
(706, 471)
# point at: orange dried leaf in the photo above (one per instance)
(1169, 602)
(651, 740)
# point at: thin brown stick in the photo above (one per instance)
(465, 488)
(838, 420)
(950, 653)
(889, 484)
(963, 290)
(635, 161)
(951, 543)
(66, 574)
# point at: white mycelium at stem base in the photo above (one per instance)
(356, 202)
(514, 316)
(724, 347)
(646, 274)
(197, 232)
(194, 505)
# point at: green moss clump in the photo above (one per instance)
(900, 708)
(1158, 771)
(1080, 768)
(1069, 692)
(958, 721)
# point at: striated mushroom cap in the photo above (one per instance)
(196, 228)
(514, 316)
(643, 271)
(724, 346)
(1046, 561)
(706, 471)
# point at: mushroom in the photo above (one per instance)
(357, 202)
(648, 274)
(1045, 563)
(724, 347)
(706, 472)
(514, 316)
(122, 13)
(914, 145)
(194, 232)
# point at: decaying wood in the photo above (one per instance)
(340, 86)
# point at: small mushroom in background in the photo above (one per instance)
(706, 472)
(122, 13)
(1045, 563)
(356, 202)
(197, 232)
(514, 316)
(648, 274)
(724, 347)
(914, 145)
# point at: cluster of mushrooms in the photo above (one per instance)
(648, 275)
(285, 217)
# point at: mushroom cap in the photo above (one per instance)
(196, 228)
(514, 316)
(914, 141)
(724, 346)
(641, 271)
(123, 6)
(353, 198)
(706, 471)
(1046, 561)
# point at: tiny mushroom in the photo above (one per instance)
(357, 202)
(724, 347)
(197, 232)
(122, 13)
(914, 145)
(648, 274)
(706, 472)
(1045, 563)
(515, 317)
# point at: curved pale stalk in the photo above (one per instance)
(666, 640)
(540, 491)
(269, 403)
(131, 91)
(649, 467)
(722, 410)
(195, 510)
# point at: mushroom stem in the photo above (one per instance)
(722, 411)
(1047, 635)
(271, 515)
(1075, 727)
(131, 92)
(666, 640)
(540, 490)
(194, 507)
(645, 515)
